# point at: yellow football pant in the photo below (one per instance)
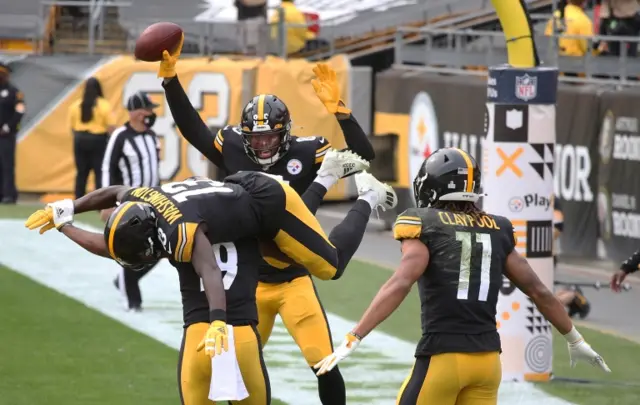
(302, 314)
(453, 379)
(194, 368)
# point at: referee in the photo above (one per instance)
(132, 159)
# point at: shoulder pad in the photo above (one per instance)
(408, 225)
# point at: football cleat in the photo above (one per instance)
(341, 164)
(386, 196)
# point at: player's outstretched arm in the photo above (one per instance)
(415, 258)
(100, 199)
(60, 213)
(328, 91)
(90, 241)
(631, 265)
(519, 271)
(204, 262)
(189, 122)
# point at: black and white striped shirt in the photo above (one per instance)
(132, 158)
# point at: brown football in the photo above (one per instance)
(157, 38)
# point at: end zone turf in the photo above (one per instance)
(347, 297)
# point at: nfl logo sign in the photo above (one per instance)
(526, 87)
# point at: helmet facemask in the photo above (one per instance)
(264, 145)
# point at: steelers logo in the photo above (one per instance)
(294, 166)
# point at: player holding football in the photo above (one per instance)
(181, 221)
(458, 255)
(263, 142)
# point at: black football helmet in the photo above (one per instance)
(131, 234)
(265, 115)
(449, 174)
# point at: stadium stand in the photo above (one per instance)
(21, 26)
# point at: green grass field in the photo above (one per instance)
(58, 349)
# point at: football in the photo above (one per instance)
(157, 38)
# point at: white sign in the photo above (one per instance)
(518, 182)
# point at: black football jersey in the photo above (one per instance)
(298, 168)
(459, 288)
(232, 227)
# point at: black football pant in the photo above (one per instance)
(129, 283)
(8, 192)
(88, 150)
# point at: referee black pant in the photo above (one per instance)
(128, 282)
(8, 192)
(88, 150)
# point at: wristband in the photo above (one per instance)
(356, 335)
(573, 336)
(218, 315)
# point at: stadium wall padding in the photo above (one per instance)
(597, 155)
(218, 88)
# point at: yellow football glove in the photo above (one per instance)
(168, 64)
(41, 218)
(215, 340)
(327, 89)
(54, 215)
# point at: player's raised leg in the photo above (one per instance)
(335, 166)
(301, 237)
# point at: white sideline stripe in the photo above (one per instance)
(56, 262)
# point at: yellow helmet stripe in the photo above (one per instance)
(112, 232)
(467, 160)
(261, 98)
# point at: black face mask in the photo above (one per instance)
(149, 120)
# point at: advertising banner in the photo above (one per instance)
(618, 190)
(426, 111)
(576, 168)
(518, 181)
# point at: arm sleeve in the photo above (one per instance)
(323, 146)
(18, 111)
(181, 242)
(110, 170)
(189, 122)
(357, 141)
(408, 225)
(631, 264)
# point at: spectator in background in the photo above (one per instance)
(571, 20)
(252, 16)
(296, 36)
(133, 159)
(619, 18)
(11, 111)
(91, 122)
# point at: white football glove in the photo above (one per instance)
(581, 350)
(348, 346)
(62, 212)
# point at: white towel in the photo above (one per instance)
(226, 378)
